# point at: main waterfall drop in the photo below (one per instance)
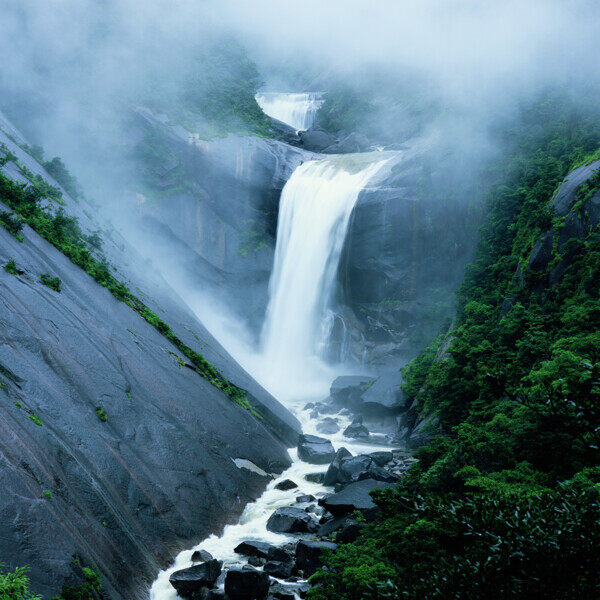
(314, 214)
(315, 208)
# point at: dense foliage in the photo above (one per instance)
(505, 503)
(223, 88)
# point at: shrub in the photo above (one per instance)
(56, 167)
(51, 282)
(64, 233)
(12, 224)
(14, 585)
(11, 267)
(47, 494)
(35, 418)
(101, 414)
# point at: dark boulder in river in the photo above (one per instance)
(353, 497)
(286, 484)
(315, 450)
(246, 584)
(253, 548)
(190, 583)
(291, 520)
(201, 556)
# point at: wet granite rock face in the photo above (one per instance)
(566, 240)
(315, 450)
(404, 256)
(222, 207)
(190, 583)
(129, 492)
(291, 520)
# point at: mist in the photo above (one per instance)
(451, 73)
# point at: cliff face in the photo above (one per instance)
(404, 257)
(216, 203)
(113, 453)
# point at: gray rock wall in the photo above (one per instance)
(159, 474)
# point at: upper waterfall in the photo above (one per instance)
(315, 208)
(296, 110)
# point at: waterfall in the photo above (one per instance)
(297, 110)
(315, 208)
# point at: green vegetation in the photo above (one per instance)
(51, 282)
(505, 502)
(251, 241)
(344, 109)
(35, 418)
(14, 585)
(217, 94)
(47, 494)
(11, 267)
(64, 233)
(12, 224)
(8, 155)
(223, 87)
(101, 414)
(57, 169)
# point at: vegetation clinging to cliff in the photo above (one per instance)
(506, 503)
(64, 233)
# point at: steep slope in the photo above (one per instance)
(116, 452)
(505, 501)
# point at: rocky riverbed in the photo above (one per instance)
(321, 500)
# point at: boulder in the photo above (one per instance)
(332, 475)
(308, 555)
(291, 520)
(328, 426)
(349, 531)
(315, 450)
(279, 569)
(422, 432)
(201, 556)
(281, 554)
(356, 430)
(253, 548)
(189, 583)
(246, 583)
(288, 590)
(316, 140)
(332, 525)
(347, 390)
(383, 397)
(351, 469)
(314, 477)
(353, 497)
(305, 498)
(382, 457)
(286, 484)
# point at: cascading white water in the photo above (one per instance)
(314, 212)
(297, 110)
(315, 209)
